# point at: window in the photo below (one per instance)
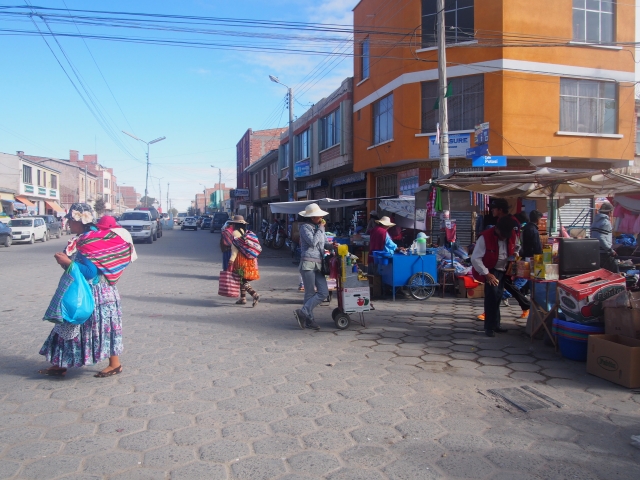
(364, 59)
(255, 179)
(465, 104)
(330, 130)
(54, 181)
(274, 168)
(387, 185)
(106, 183)
(587, 106)
(408, 186)
(302, 147)
(264, 176)
(593, 21)
(458, 21)
(39, 176)
(26, 174)
(383, 120)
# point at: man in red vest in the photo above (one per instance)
(489, 259)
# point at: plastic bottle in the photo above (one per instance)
(421, 246)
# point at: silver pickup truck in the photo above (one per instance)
(140, 225)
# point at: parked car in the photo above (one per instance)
(140, 225)
(5, 235)
(28, 229)
(54, 226)
(180, 218)
(189, 223)
(218, 221)
(206, 223)
(155, 215)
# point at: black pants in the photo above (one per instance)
(524, 303)
(608, 262)
(492, 299)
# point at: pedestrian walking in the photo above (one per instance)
(246, 267)
(101, 251)
(489, 259)
(312, 244)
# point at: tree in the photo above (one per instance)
(174, 212)
(99, 206)
(147, 201)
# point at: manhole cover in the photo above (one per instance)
(524, 400)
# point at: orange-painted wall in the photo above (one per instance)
(522, 108)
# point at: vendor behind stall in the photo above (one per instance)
(531, 244)
(489, 261)
(380, 240)
(602, 230)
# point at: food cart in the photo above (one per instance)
(416, 272)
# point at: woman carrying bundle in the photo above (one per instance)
(239, 263)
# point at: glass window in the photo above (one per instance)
(458, 21)
(364, 59)
(302, 148)
(387, 185)
(54, 181)
(465, 105)
(106, 183)
(330, 128)
(255, 179)
(26, 174)
(587, 106)
(383, 120)
(264, 176)
(593, 21)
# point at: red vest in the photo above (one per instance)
(492, 250)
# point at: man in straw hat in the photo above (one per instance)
(602, 230)
(312, 245)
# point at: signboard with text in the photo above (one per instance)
(458, 145)
(489, 161)
(302, 169)
(482, 133)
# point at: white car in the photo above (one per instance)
(189, 222)
(28, 230)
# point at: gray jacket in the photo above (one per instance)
(312, 242)
(602, 230)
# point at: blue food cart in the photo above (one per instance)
(416, 272)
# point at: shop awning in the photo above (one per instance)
(54, 206)
(25, 200)
(292, 208)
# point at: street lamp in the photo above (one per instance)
(290, 160)
(146, 184)
(219, 187)
(204, 195)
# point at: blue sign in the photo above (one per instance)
(482, 133)
(302, 169)
(489, 161)
(478, 151)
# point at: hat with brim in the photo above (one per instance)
(313, 210)
(386, 222)
(237, 219)
(606, 207)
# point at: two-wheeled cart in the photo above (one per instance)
(354, 296)
(418, 273)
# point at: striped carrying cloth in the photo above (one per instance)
(107, 250)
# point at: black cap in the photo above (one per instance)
(500, 204)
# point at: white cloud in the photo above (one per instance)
(201, 71)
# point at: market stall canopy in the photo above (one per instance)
(293, 208)
(541, 183)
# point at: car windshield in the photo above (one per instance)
(21, 223)
(135, 216)
(189, 219)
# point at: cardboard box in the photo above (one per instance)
(581, 297)
(548, 271)
(615, 358)
(523, 269)
(464, 292)
(356, 300)
(622, 321)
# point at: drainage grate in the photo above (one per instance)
(525, 398)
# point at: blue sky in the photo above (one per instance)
(202, 100)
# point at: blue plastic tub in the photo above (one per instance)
(573, 338)
(381, 258)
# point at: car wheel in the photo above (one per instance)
(45, 237)
(154, 237)
(32, 240)
(149, 239)
(7, 241)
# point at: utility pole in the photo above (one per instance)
(443, 114)
(220, 188)
(168, 205)
(291, 181)
(146, 183)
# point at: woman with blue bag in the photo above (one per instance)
(97, 256)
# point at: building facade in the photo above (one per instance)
(559, 93)
(106, 185)
(265, 187)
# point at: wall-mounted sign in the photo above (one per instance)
(351, 178)
(458, 145)
(319, 182)
(478, 151)
(240, 192)
(482, 133)
(302, 169)
(489, 161)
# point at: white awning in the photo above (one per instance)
(293, 208)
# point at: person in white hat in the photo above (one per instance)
(312, 245)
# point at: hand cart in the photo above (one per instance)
(415, 272)
(354, 296)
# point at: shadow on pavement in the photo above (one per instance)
(185, 275)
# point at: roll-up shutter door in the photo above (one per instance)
(463, 227)
(577, 213)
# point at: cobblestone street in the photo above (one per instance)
(214, 390)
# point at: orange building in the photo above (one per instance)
(554, 79)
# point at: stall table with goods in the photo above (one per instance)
(417, 272)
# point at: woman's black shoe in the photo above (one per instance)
(500, 330)
(489, 333)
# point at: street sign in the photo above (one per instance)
(478, 151)
(489, 161)
(458, 144)
(241, 192)
(482, 133)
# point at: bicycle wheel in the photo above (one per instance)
(421, 286)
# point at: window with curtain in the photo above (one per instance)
(593, 21)
(26, 174)
(465, 105)
(54, 181)
(364, 59)
(458, 21)
(330, 128)
(588, 106)
(383, 120)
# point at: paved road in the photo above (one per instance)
(212, 390)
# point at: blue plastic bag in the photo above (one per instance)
(73, 301)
